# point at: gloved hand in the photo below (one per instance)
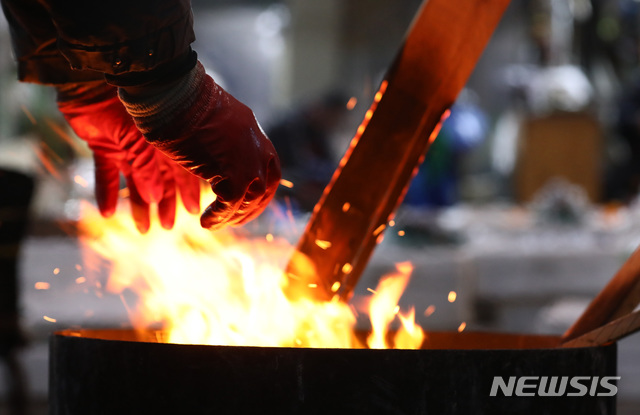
(98, 117)
(207, 131)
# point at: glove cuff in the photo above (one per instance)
(153, 112)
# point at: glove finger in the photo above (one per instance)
(139, 208)
(189, 187)
(250, 207)
(167, 205)
(146, 174)
(107, 176)
(218, 213)
(255, 198)
(249, 214)
(249, 210)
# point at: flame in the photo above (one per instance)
(384, 308)
(411, 335)
(223, 288)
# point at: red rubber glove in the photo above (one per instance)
(214, 136)
(118, 147)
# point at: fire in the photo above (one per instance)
(384, 308)
(224, 288)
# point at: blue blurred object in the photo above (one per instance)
(436, 184)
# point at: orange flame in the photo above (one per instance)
(384, 307)
(220, 288)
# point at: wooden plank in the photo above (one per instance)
(618, 298)
(608, 333)
(439, 53)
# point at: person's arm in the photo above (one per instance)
(93, 110)
(179, 109)
(142, 48)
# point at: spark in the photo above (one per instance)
(47, 163)
(436, 130)
(28, 114)
(396, 310)
(401, 233)
(323, 244)
(286, 183)
(379, 230)
(80, 181)
(462, 327)
(372, 291)
(56, 271)
(51, 153)
(312, 285)
(351, 104)
(81, 280)
(66, 137)
(347, 268)
(49, 319)
(292, 219)
(346, 207)
(452, 296)
(392, 223)
(42, 285)
(430, 310)
(383, 87)
(126, 305)
(269, 237)
(79, 267)
(336, 286)
(293, 276)
(368, 114)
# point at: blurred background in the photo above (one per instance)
(525, 207)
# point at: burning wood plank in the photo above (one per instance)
(438, 55)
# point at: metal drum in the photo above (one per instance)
(126, 372)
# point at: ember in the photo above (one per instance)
(224, 289)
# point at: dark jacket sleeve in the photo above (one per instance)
(62, 41)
